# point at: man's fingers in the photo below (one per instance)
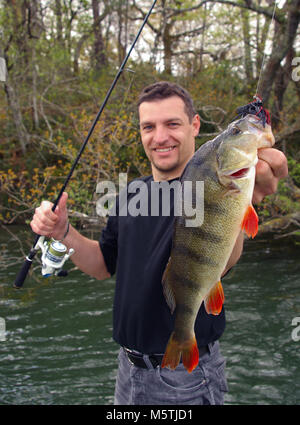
(45, 222)
(270, 168)
(276, 160)
(41, 225)
(265, 177)
(45, 213)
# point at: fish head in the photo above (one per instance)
(237, 151)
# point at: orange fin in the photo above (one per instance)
(250, 222)
(215, 299)
(189, 351)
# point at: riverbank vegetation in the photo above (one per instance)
(61, 57)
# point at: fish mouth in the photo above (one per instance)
(239, 173)
(242, 172)
(270, 139)
(267, 137)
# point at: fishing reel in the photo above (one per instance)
(54, 256)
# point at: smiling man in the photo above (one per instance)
(138, 248)
(168, 130)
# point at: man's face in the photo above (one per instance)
(167, 136)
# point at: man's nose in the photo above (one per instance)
(161, 134)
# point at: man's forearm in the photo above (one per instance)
(87, 256)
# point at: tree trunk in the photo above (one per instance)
(123, 29)
(247, 48)
(13, 102)
(283, 41)
(78, 48)
(167, 42)
(34, 89)
(59, 24)
(202, 40)
(281, 82)
(99, 58)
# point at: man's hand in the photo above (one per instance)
(45, 222)
(271, 167)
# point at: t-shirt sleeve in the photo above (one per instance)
(109, 244)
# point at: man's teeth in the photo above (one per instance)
(165, 149)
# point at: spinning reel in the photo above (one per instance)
(54, 256)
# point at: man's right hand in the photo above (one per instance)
(45, 222)
(88, 256)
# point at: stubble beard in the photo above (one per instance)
(165, 169)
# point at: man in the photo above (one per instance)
(139, 247)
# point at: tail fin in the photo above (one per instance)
(189, 351)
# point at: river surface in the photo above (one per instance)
(58, 348)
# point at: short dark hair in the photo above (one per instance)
(163, 90)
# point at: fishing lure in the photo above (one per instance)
(255, 108)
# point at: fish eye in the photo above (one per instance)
(236, 130)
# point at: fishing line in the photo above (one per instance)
(37, 243)
(264, 56)
(256, 106)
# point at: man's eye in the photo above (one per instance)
(147, 127)
(173, 124)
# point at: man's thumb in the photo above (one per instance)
(62, 204)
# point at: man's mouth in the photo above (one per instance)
(168, 149)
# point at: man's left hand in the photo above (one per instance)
(271, 167)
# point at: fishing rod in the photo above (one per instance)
(57, 257)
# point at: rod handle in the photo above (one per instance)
(24, 270)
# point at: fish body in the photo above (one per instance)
(199, 254)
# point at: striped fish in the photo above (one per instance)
(199, 254)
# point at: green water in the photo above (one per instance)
(59, 349)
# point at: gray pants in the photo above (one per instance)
(205, 385)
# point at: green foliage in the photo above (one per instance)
(58, 101)
(294, 170)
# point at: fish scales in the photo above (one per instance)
(200, 254)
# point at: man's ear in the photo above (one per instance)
(196, 124)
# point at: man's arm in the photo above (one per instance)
(88, 256)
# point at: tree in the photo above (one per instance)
(25, 27)
(286, 26)
(171, 27)
(99, 59)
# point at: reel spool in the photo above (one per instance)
(54, 256)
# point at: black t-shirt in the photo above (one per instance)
(138, 248)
